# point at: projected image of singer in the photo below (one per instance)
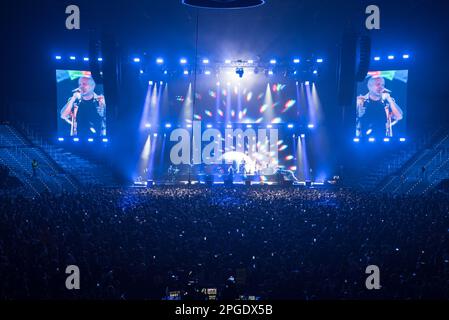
(377, 111)
(85, 111)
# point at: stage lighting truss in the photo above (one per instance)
(300, 68)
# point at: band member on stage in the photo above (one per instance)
(377, 111)
(242, 167)
(85, 111)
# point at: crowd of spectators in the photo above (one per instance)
(265, 241)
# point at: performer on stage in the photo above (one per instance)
(377, 111)
(242, 167)
(85, 111)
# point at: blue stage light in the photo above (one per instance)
(228, 61)
(90, 140)
(310, 126)
(249, 126)
(371, 139)
(186, 72)
(218, 84)
(86, 59)
(376, 58)
(390, 57)
(105, 140)
(270, 72)
(168, 125)
(307, 83)
(141, 71)
(61, 139)
(155, 135)
(165, 72)
(159, 61)
(269, 126)
(296, 61)
(72, 58)
(76, 139)
(136, 60)
(183, 61)
(273, 61)
(229, 126)
(58, 57)
(315, 71)
(406, 56)
(251, 61)
(150, 83)
(386, 139)
(207, 72)
(100, 59)
(303, 135)
(206, 61)
(319, 60)
(402, 139)
(209, 126)
(356, 140)
(290, 126)
(148, 125)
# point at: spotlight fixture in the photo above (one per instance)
(240, 72)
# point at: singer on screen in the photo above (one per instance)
(377, 111)
(85, 111)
